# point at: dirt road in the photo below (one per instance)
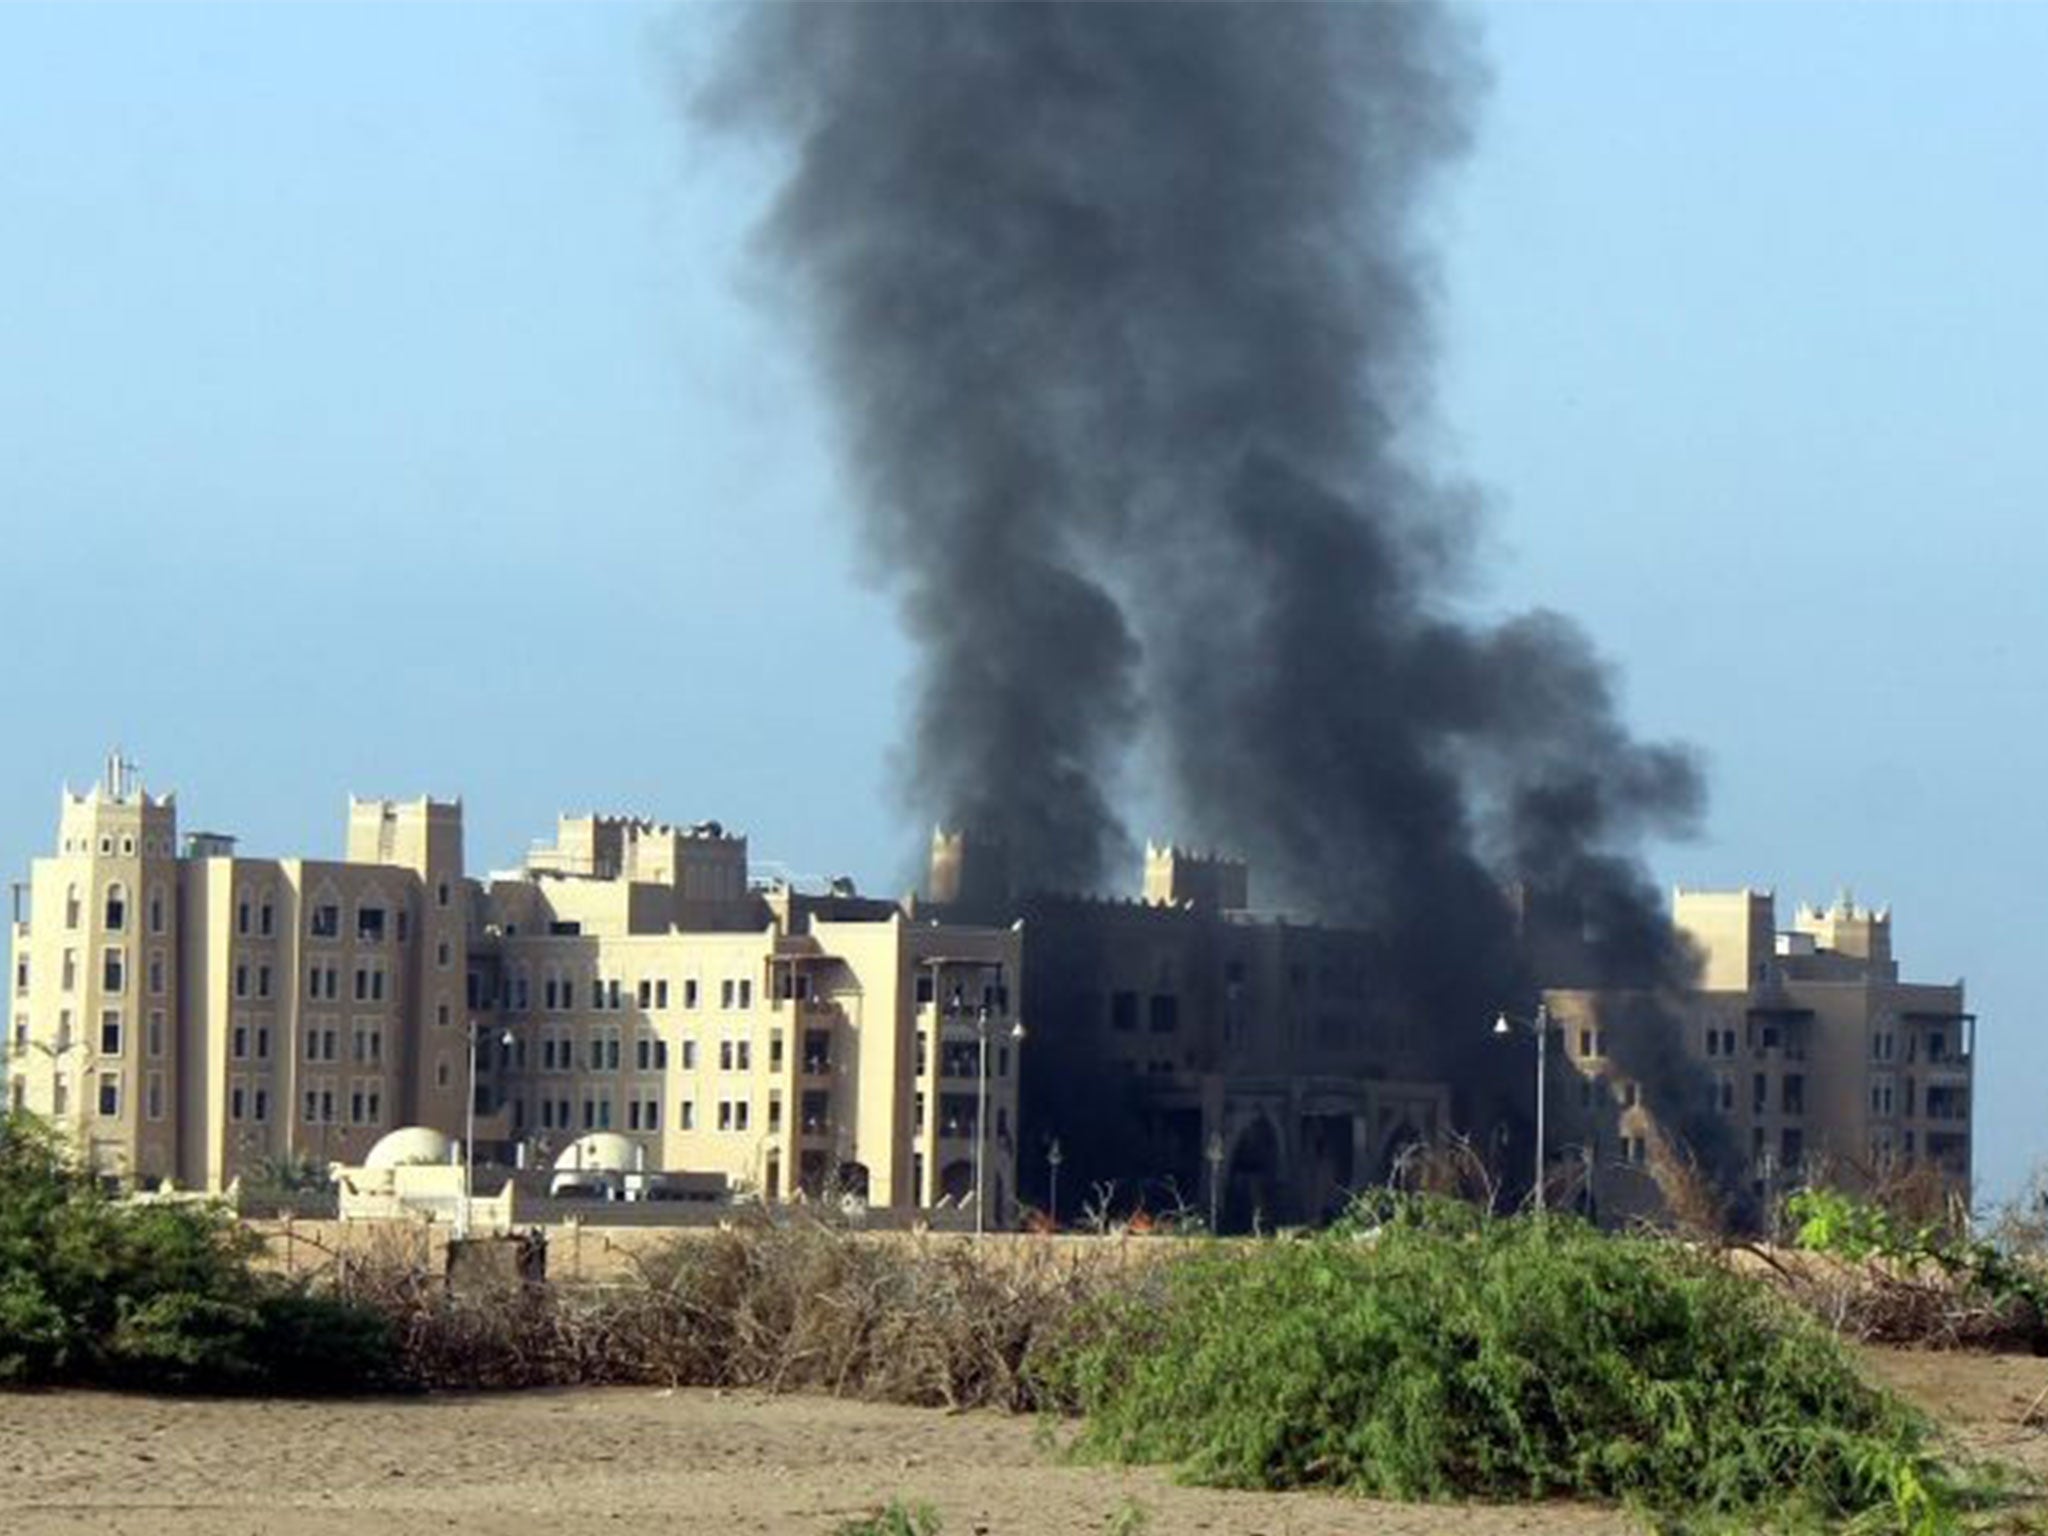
(621, 1459)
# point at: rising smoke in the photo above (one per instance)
(1126, 311)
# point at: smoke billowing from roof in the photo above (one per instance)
(1126, 309)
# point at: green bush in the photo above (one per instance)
(1444, 1355)
(154, 1296)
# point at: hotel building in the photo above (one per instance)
(192, 1014)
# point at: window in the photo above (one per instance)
(1123, 1011)
(326, 923)
(816, 1110)
(441, 1073)
(263, 981)
(1163, 1013)
(644, 994)
(238, 1042)
(727, 991)
(72, 911)
(661, 993)
(441, 954)
(156, 974)
(155, 1032)
(817, 1050)
(263, 1042)
(117, 907)
(266, 918)
(110, 1032)
(238, 1099)
(242, 917)
(114, 971)
(743, 1055)
(153, 1095)
(110, 1095)
(262, 1106)
(241, 979)
(725, 1055)
(775, 1049)
(369, 924)
(156, 911)
(746, 992)
(1794, 1093)
(441, 894)
(20, 1033)
(689, 1054)
(690, 993)
(69, 977)
(687, 1114)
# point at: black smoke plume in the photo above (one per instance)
(1127, 312)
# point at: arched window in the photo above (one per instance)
(117, 907)
(71, 906)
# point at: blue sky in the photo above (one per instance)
(387, 404)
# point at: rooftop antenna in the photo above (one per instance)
(118, 770)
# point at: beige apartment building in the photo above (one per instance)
(190, 1014)
(1801, 1048)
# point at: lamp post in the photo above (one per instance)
(1214, 1153)
(1539, 1026)
(1053, 1158)
(462, 1212)
(981, 1023)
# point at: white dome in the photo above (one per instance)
(408, 1146)
(599, 1152)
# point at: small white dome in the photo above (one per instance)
(599, 1152)
(408, 1146)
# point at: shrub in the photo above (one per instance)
(154, 1296)
(1447, 1355)
(801, 1305)
(1909, 1281)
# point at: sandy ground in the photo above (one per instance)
(622, 1459)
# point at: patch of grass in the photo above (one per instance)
(897, 1519)
(1447, 1355)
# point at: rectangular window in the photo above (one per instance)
(724, 1056)
(689, 992)
(442, 954)
(263, 981)
(370, 924)
(746, 992)
(1123, 1011)
(110, 1096)
(241, 980)
(326, 922)
(689, 1054)
(728, 989)
(114, 971)
(263, 1042)
(156, 1032)
(110, 1032)
(238, 1099)
(242, 917)
(156, 975)
(661, 993)
(687, 1114)
(238, 1042)
(743, 1055)
(1163, 1013)
(262, 1105)
(266, 919)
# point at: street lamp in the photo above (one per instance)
(1214, 1153)
(981, 1023)
(1053, 1158)
(469, 1130)
(1539, 1026)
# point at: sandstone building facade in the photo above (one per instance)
(1801, 1051)
(191, 1014)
